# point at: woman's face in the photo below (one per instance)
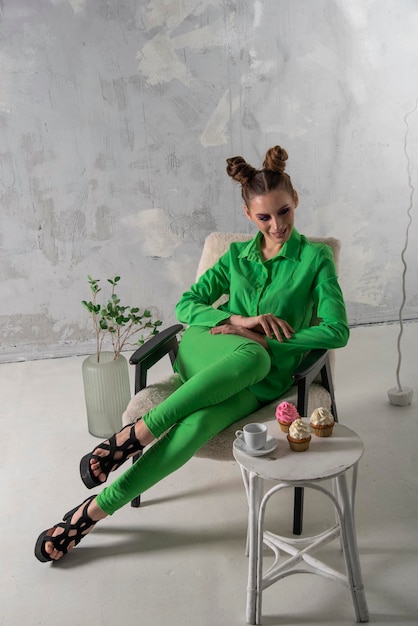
(274, 215)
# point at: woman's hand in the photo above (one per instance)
(229, 329)
(267, 324)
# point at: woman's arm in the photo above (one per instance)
(230, 329)
(257, 328)
(280, 338)
(195, 305)
(332, 330)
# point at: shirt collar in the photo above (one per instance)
(290, 250)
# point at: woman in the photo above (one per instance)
(231, 360)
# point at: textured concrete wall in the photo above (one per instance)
(116, 119)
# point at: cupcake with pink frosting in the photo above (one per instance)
(286, 413)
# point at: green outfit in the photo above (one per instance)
(226, 377)
(299, 280)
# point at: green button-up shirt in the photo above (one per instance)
(300, 282)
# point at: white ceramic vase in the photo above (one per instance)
(106, 391)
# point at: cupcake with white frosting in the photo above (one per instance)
(299, 436)
(322, 422)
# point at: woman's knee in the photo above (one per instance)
(258, 357)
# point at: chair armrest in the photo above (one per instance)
(314, 363)
(156, 343)
(152, 351)
(311, 365)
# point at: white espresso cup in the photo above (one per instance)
(253, 435)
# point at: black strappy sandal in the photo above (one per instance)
(62, 541)
(109, 463)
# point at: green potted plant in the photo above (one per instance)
(105, 373)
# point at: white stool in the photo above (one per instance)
(327, 457)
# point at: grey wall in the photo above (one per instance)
(116, 119)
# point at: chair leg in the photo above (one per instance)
(136, 502)
(302, 407)
(328, 384)
(298, 511)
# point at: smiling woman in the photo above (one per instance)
(232, 359)
(269, 198)
(274, 215)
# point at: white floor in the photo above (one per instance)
(179, 560)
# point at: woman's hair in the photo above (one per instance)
(258, 182)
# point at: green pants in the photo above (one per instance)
(216, 371)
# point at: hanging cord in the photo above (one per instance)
(405, 267)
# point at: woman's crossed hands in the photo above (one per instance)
(257, 327)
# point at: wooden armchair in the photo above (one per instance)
(312, 387)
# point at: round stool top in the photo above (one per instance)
(326, 457)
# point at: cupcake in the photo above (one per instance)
(322, 422)
(299, 436)
(286, 413)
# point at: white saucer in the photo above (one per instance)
(240, 445)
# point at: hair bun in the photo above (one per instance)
(238, 169)
(275, 160)
(258, 182)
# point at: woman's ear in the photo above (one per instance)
(247, 212)
(296, 198)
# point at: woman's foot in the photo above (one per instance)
(109, 455)
(54, 543)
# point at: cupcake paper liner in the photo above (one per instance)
(299, 445)
(323, 431)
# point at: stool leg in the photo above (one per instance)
(351, 552)
(298, 511)
(245, 480)
(254, 497)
